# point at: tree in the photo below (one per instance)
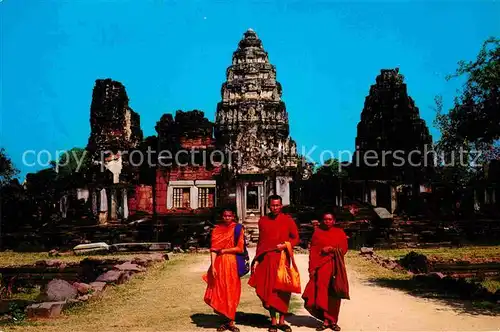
(331, 167)
(476, 115)
(474, 121)
(8, 197)
(325, 185)
(471, 125)
(15, 206)
(40, 186)
(7, 169)
(475, 118)
(76, 160)
(456, 174)
(72, 168)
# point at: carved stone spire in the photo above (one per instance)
(390, 121)
(251, 118)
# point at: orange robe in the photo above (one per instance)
(223, 293)
(271, 233)
(318, 297)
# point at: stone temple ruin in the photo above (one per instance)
(251, 133)
(390, 122)
(256, 157)
(252, 127)
(115, 128)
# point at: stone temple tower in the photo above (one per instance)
(252, 125)
(393, 144)
(390, 121)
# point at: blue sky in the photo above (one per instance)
(173, 55)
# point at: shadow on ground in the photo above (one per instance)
(442, 296)
(302, 321)
(213, 321)
(245, 319)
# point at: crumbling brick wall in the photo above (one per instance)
(191, 133)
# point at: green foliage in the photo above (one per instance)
(76, 160)
(473, 124)
(331, 168)
(41, 183)
(72, 168)
(16, 313)
(34, 203)
(7, 169)
(453, 172)
(476, 115)
(66, 173)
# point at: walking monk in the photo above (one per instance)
(274, 230)
(223, 281)
(328, 280)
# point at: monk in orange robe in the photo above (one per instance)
(223, 282)
(274, 230)
(326, 258)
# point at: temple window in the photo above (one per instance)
(206, 197)
(181, 197)
(191, 194)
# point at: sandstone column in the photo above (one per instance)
(114, 204)
(373, 196)
(125, 204)
(394, 199)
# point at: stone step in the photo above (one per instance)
(253, 224)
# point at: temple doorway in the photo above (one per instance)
(252, 199)
(384, 195)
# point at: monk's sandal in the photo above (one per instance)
(233, 328)
(273, 328)
(223, 327)
(323, 327)
(285, 328)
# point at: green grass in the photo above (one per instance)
(8, 258)
(30, 294)
(491, 285)
(464, 253)
(370, 270)
(472, 252)
(168, 297)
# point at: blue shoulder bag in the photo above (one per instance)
(242, 260)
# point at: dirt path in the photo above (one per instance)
(374, 308)
(170, 298)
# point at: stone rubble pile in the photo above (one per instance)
(425, 274)
(61, 294)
